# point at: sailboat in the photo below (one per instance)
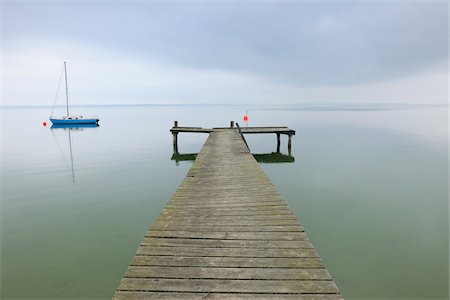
(72, 119)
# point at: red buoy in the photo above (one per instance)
(245, 118)
(44, 124)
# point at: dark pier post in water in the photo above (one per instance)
(175, 137)
(278, 142)
(231, 124)
(289, 143)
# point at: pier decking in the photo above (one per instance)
(226, 234)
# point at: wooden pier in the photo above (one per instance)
(278, 130)
(226, 234)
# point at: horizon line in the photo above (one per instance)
(306, 104)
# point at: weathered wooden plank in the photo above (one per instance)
(249, 178)
(231, 262)
(223, 252)
(227, 286)
(213, 218)
(277, 129)
(230, 210)
(231, 213)
(220, 202)
(232, 222)
(195, 185)
(126, 295)
(232, 195)
(190, 129)
(274, 236)
(267, 244)
(179, 226)
(232, 175)
(227, 273)
(254, 189)
(212, 205)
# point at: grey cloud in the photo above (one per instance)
(316, 43)
(299, 43)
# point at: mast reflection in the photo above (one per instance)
(69, 128)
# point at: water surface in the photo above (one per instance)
(369, 185)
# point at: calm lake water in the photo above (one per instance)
(369, 185)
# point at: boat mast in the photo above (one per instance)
(67, 90)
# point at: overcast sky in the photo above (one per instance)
(235, 52)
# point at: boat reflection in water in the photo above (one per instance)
(69, 128)
(74, 126)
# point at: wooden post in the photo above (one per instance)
(175, 142)
(231, 124)
(175, 123)
(278, 142)
(289, 144)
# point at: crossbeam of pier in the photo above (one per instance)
(278, 130)
(226, 234)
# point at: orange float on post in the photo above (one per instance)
(245, 118)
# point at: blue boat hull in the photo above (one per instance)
(73, 121)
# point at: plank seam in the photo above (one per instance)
(225, 256)
(211, 292)
(253, 248)
(205, 267)
(225, 278)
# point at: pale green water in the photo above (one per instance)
(370, 187)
